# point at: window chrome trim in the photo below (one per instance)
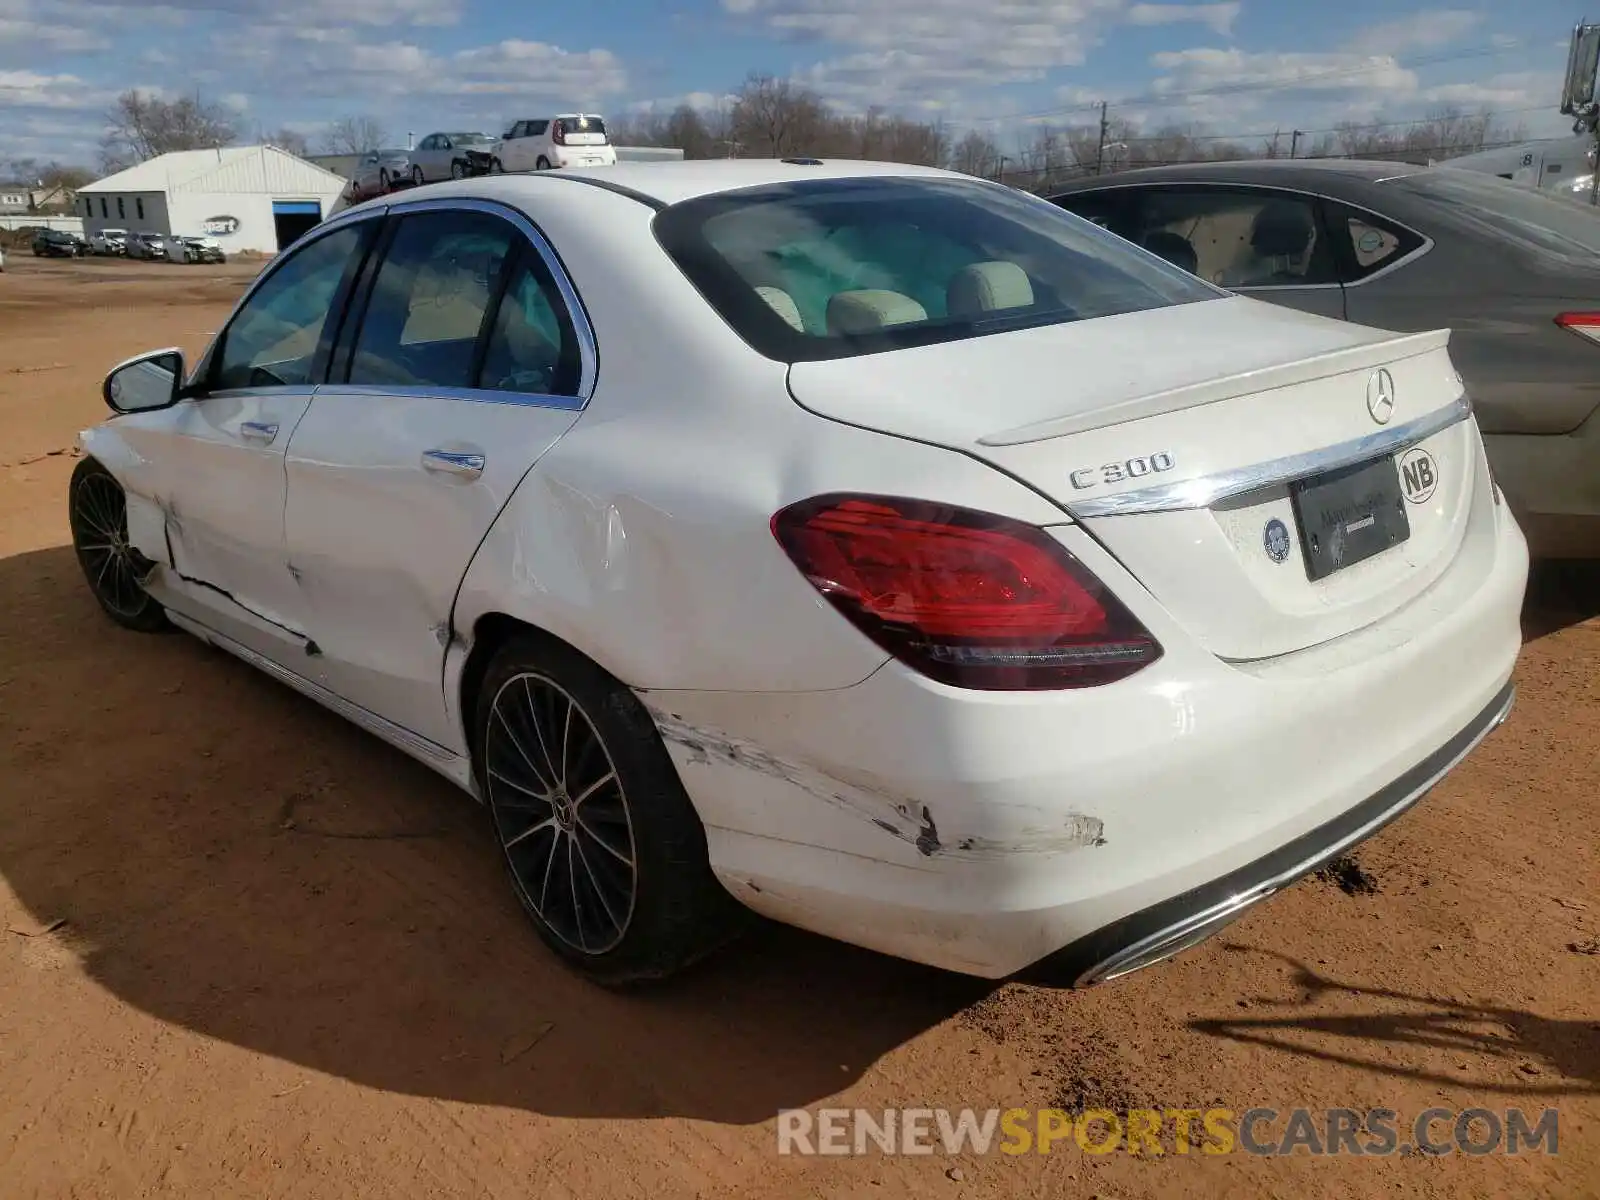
(588, 350)
(470, 395)
(1207, 490)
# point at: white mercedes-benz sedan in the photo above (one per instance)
(882, 550)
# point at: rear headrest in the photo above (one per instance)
(780, 302)
(1282, 229)
(871, 309)
(1173, 247)
(987, 287)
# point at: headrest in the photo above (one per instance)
(1282, 229)
(780, 302)
(1173, 247)
(987, 287)
(871, 309)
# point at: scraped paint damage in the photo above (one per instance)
(897, 816)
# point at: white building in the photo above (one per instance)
(247, 197)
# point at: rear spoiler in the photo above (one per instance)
(1385, 349)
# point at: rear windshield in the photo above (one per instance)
(841, 267)
(571, 125)
(1508, 209)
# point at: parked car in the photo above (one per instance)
(189, 248)
(444, 155)
(148, 246)
(988, 594)
(109, 242)
(541, 144)
(57, 243)
(1513, 272)
(379, 171)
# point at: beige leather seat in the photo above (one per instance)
(988, 287)
(868, 310)
(780, 302)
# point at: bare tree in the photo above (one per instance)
(143, 126)
(776, 118)
(355, 135)
(288, 139)
(977, 153)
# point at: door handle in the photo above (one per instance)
(258, 431)
(453, 462)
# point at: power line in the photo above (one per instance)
(1268, 135)
(1228, 89)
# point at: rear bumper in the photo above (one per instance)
(1093, 832)
(1552, 483)
(1163, 930)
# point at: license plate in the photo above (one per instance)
(1347, 516)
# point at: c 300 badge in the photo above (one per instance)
(1276, 540)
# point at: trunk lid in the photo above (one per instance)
(1183, 439)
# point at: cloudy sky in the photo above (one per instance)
(1239, 67)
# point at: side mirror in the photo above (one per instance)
(147, 383)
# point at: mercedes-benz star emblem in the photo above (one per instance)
(1380, 397)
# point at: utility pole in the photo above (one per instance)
(1294, 143)
(1100, 151)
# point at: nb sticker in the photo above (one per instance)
(1419, 475)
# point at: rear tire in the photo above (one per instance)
(98, 511)
(543, 164)
(576, 777)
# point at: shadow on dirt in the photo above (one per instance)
(230, 857)
(1561, 593)
(1422, 1027)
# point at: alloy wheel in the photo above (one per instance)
(100, 528)
(561, 813)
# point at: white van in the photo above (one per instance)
(544, 143)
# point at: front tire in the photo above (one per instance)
(98, 512)
(383, 181)
(605, 851)
(417, 179)
(496, 167)
(458, 169)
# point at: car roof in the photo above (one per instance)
(1283, 172)
(664, 183)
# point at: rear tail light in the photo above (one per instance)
(967, 598)
(558, 135)
(1585, 324)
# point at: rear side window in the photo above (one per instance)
(840, 267)
(1371, 243)
(1238, 238)
(532, 346)
(430, 299)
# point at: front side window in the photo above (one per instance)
(273, 339)
(839, 267)
(430, 299)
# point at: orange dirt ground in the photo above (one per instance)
(287, 965)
